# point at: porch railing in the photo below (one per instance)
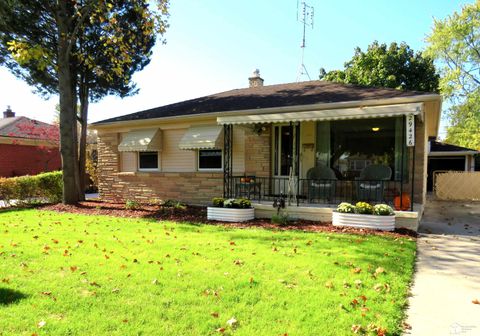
(309, 191)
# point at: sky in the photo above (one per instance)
(214, 46)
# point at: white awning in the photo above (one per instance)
(202, 137)
(334, 114)
(144, 140)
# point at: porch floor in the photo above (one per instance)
(323, 213)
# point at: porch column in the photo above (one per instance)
(228, 160)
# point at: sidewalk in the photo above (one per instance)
(447, 277)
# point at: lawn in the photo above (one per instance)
(66, 274)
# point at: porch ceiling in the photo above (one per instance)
(335, 114)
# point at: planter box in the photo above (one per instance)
(385, 223)
(230, 214)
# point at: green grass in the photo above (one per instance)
(94, 275)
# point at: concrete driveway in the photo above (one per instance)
(447, 277)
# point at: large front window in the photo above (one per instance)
(210, 159)
(349, 146)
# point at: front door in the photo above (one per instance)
(284, 156)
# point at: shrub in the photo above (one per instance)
(237, 203)
(280, 218)
(243, 203)
(363, 208)
(32, 189)
(346, 208)
(171, 203)
(218, 202)
(383, 210)
(131, 205)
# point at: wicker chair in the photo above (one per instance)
(321, 183)
(371, 184)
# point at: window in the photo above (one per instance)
(147, 160)
(348, 147)
(209, 159)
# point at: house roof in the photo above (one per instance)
(437, 146)
(281, 95)
(26, 128)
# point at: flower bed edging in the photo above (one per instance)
(385, 223)
(230, 214)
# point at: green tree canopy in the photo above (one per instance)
(83, 50)
(455, 44)
(395, 66)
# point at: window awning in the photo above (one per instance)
(202, 137)
(144, 140)
(334, 114)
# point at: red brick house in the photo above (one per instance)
(27, 146)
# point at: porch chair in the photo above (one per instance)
(371, 183)
(321, 183)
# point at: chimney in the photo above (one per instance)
(8, 113)
(255, 80)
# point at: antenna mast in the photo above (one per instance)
(305, 14)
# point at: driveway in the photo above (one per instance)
(447, 278)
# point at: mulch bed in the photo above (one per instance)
(197, 214)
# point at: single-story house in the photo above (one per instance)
(317, 142)
(446, 157)
(27, 146)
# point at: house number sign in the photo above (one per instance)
(410, 120)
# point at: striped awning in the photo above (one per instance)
(333, 114)
(145, 140)
(202, 137)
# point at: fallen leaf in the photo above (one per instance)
(357, 270)
(476, 301)
(115, 290)
(221, 330)
(232, 322)
(329, 284)
(379, 270)
(356, 328)
(214, 314)
(73, 268)
(41, 324)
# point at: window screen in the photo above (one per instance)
(210, 159)
(148, 160)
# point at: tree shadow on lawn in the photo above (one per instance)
(9, 296)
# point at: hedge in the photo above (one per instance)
(28, 189)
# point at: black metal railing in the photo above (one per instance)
(311, 191)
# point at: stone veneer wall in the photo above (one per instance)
(190, 187)
(257, 153)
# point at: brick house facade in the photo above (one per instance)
(256, 116)
(27, 146)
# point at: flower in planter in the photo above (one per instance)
(345, 207)
(382, 210)
(363, 208)
(218, 202)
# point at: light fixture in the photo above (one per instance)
(375, 129)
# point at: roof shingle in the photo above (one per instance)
(281, 95)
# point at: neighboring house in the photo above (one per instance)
(263, 141)
(27, 146)
(445, 157)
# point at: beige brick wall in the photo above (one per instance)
(191, 187)
(258, 153)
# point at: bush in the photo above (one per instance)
(346, 208)
(383, 210)
(32, 189)
(237, 203)
(280, 218)
(131, 205)
(218, 202)
(363, 208)
(171, 203)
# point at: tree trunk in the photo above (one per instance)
(83, 136)
(68, 120)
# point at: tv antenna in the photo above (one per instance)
(305, 14)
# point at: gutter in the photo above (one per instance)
(296, 108)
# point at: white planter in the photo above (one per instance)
(230, 214)
(385, 223)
